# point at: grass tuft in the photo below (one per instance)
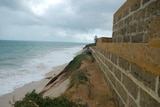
(35, 100)
(75, 63)
(79, 77)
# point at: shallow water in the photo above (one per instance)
(22, 62)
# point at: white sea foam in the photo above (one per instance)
(34, 69)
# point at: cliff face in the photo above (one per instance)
(93, 93)
(82, 83)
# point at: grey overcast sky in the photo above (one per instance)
(57, 20)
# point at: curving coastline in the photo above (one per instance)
(59, 81)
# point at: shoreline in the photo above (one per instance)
(19, 93)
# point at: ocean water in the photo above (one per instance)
(22, 62)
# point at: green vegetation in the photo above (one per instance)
(79, 77)
(35, 100)
(71, 67)
(76, 62)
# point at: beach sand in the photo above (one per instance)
(19, 93)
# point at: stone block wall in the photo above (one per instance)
(137, 21)
(132, 85)
(131, 63)
(104, 39)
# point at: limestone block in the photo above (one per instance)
(130, 86)
(147, 101)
